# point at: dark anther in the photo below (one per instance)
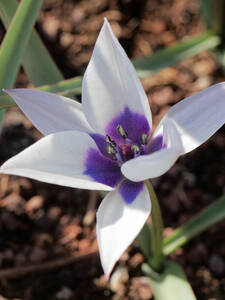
(121, 131)
(144, 138)
(135, 149)
(111, 150)
(110, 141)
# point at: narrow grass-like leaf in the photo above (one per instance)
(170, 56)
(143, 241)
(15, 41)
(206, 11)
(64, 87)
(164, 57)
(209, 216)
(171, 284)
(37, 62)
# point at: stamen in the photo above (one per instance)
(110, 141)
(135, 149)
(112, 151)
(121, 131)
(144, 138)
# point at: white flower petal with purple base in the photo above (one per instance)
(110, 84)
(64, 158)
(198, 117)
(150, 166)
(50, 112)
(163, 155)
(118, 223)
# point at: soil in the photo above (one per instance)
(48, 246)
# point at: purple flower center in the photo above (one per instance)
(125, 138)
(121, 151)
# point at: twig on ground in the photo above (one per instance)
(17, 272)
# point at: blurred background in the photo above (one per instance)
(48, 248)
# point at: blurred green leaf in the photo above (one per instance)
(170, 56)
(36, 60)
(143, 241)
(145, 66)
(15, 41)
(206, 11)
(209, 216)
(171, 284)
(63, 87)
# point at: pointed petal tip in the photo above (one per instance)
(106, 21)
(106, 277)
(115, 227)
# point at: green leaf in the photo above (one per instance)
(64, 87)
(36, 60)
(143, 241)
(172, 284)
(170, 56)
(2, 112)
(206, 11)
(15, 41)
(209, 216)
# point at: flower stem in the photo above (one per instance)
(157, 259)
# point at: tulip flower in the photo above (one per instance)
(107, 143)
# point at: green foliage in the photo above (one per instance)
(144, 241)
(66, 87)
(170, 56)
(37, 63)
(15, 41)
(209, 216)
(171, 284)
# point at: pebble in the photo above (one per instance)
(14, 203)
(119, 276)
(37, 255)
(141, 286)
(163, 96)
(34, 204)
(54, 213)
(217, 265)
(64, 293)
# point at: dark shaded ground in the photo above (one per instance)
(41, 223)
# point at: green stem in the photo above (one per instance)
(157, 259)
(209, 216)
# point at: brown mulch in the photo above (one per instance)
(48, 246)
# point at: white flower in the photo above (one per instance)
(104, 144)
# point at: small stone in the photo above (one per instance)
(163, 96)
(14, 203)
(119, 276)
(141, 287)
(66, 39)
(20, 259)
(136, 260)
(9, 221)
(202, 83)
(65, 293)
(8, 255)
(84, 244)
(54, 213)
(51, 26)
(217, 264)
(35, 203)
(38, 255)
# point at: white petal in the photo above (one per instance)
(50, 112)
(156, 163)
(57, 158)
(110, 83)
(118, 224)
(150, 166)
(199, 116)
